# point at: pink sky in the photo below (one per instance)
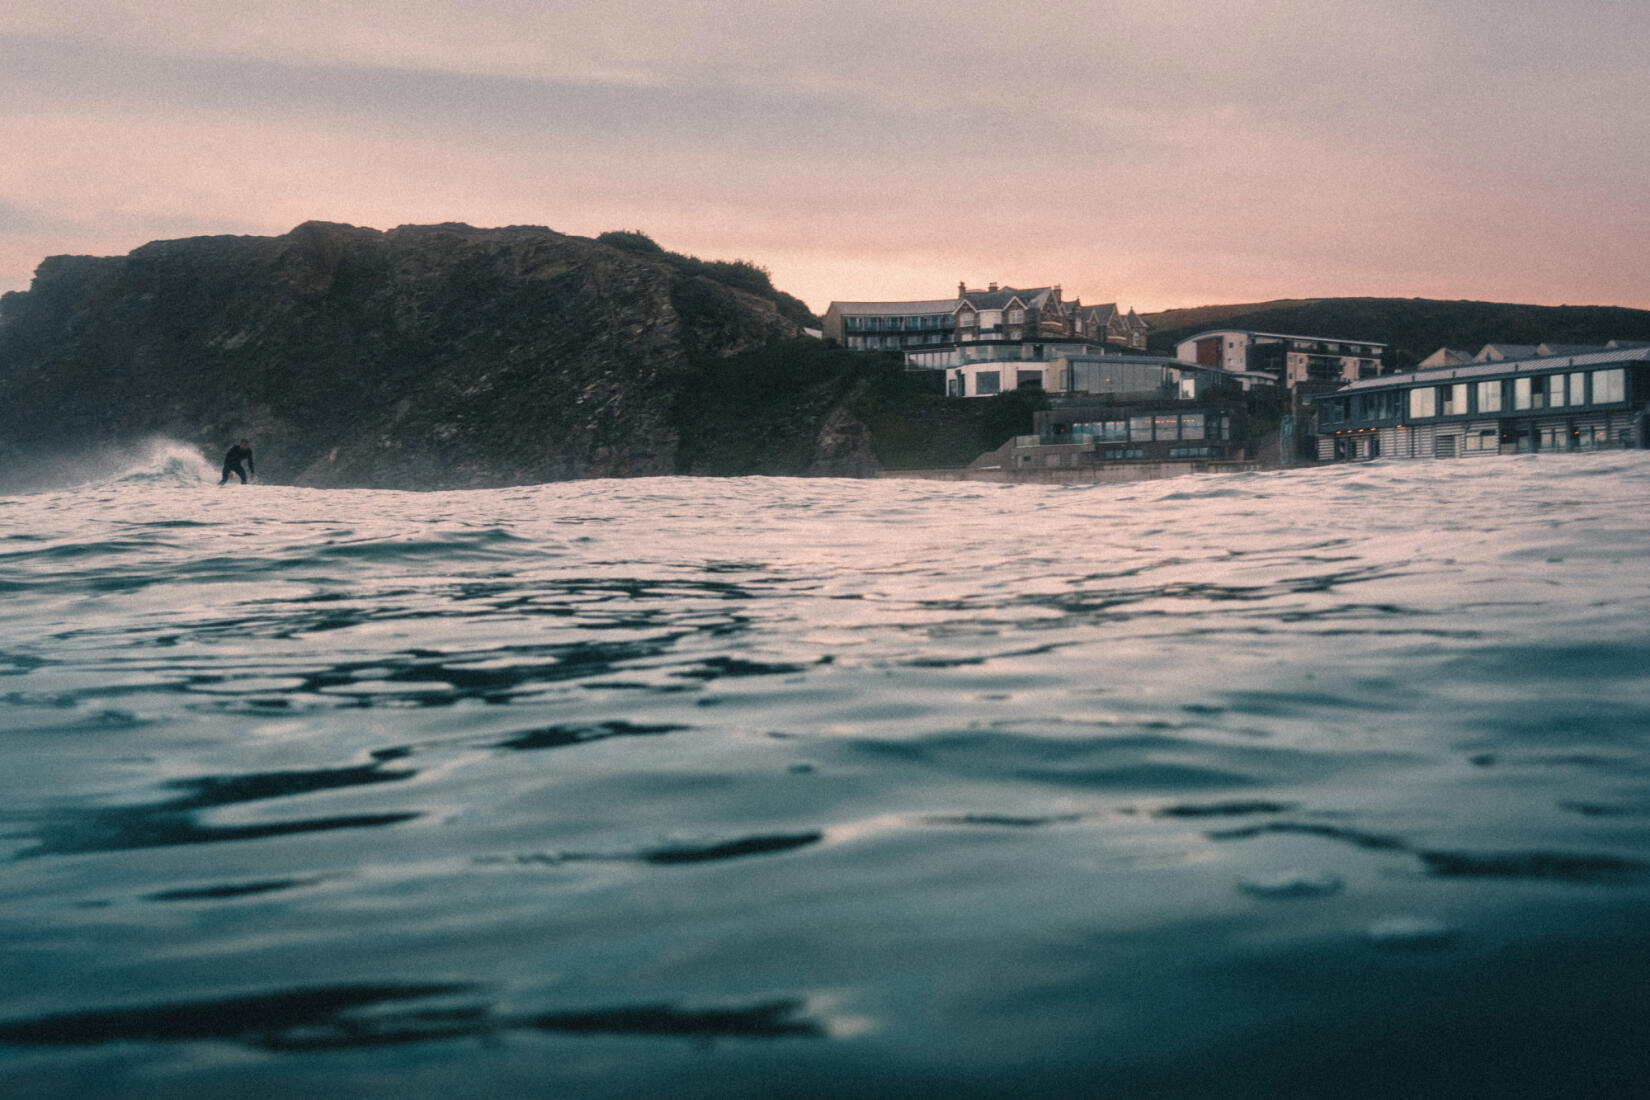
(1158, 154)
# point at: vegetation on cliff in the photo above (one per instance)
(802, 407)
(738, 274)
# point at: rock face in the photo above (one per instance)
(423, 357)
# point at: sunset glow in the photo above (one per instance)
(1159, 155)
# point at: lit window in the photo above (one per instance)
(1423, 402)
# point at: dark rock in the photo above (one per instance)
(424, 357)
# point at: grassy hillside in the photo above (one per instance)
(762, 411)
(1414, 327)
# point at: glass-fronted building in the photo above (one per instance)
(1545, 403)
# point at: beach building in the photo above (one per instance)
(1494, 406)
(1285, 359)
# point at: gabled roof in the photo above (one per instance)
(1100, 314)
(1034, 298)
(1569, 349)
(1494, 352)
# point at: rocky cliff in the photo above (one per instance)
(422, 357)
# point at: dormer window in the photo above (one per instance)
(965, 318)
(1016, 316)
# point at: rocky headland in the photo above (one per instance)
(422, 357)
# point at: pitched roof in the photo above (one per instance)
(1034, 298)
(895, 309)
(1491, 369)
(1491, 352)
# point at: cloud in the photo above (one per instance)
(1276, 147)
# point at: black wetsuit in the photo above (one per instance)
(232, 463)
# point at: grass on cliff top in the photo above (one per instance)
(739, 274)
(760, 412)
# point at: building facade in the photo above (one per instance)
(1513, 406)
(1290, 360)
(993, 315)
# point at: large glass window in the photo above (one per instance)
(1609, 386)
(1140, 429)
(1555, 391)
(1167, 427)
(1453, 399)
(1578, 388)
(988, 381)
(1423, 402)
(1191, 426)
(1521, 393)
(1489, 397)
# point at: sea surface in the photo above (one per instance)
(1332, 782)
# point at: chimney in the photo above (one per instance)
(993, 288)
(962, 288)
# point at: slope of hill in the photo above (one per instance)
(1414, 327)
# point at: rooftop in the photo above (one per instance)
(1506, 366)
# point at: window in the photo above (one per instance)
(1423, 402)
(1578, 388)
(1489, 397)
(1191, 426)
(1016, 316)
(1482, 441)
(965, 318)
(1609, 386)
(1555, 391)
(988, 381)
(1167, 427)
(1140, 429)
(1453, 399)
(1521, 394)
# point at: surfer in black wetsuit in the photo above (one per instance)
(239, 453)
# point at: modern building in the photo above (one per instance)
(1087, 435)
(891, 326)
(1290, 360)
(1061, 371)
(1509, 406)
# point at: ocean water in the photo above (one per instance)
(1330, 782)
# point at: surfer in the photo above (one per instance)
(239, 453)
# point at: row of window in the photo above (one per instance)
(1550, 391)
(852, 323)
(873, 343)
(1157, 427)
(1528, 394)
